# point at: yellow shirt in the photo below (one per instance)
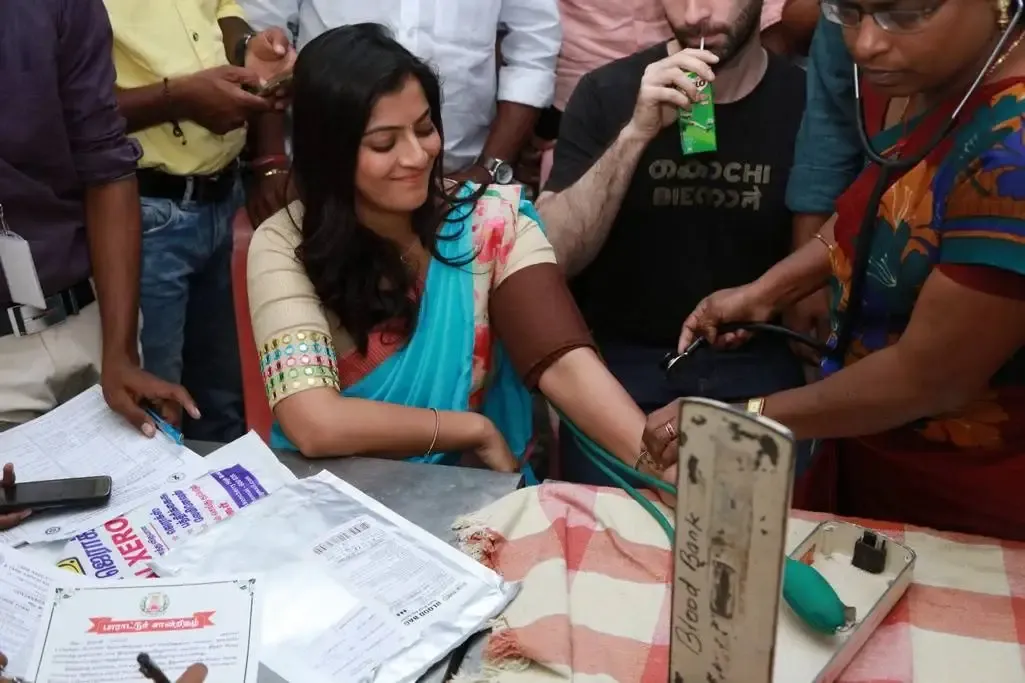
(158, 39)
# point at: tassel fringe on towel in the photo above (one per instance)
(503, 653)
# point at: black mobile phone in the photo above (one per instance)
(55, 493)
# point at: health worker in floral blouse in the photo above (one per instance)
(924, 395)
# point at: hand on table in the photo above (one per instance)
(126, 386)
(9, 520)
(492, 449)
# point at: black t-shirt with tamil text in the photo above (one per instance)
(688, 225)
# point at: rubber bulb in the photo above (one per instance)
(812, 599)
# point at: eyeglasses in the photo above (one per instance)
(849, 15)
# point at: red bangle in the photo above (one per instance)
(269, 161)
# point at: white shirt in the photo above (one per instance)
(458, 37)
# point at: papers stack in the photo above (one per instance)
(353, 591)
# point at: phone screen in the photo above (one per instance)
(55, 492)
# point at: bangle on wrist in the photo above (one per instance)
(437, 427)
(829, 246)
(273, 172)
(269, 161)
(172, 111)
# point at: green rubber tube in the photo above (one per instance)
(805, 590)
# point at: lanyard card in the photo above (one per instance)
(19, 268)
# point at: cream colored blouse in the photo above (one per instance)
(303, 346)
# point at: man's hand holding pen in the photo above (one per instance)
(194, 674)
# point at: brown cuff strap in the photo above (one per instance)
(535, 317)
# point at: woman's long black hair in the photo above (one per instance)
(358, 275)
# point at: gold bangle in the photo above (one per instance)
(437, 425)
(646, 458)
(274, 172)
(826, 242)
(755, 406)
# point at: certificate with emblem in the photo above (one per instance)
(94, 633)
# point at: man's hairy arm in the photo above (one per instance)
(579, 218)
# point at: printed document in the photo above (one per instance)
(323, 633)
(93, 632)
(370, 559)
(319, 542)
(26, 589)
(85, 438)
(245, 471)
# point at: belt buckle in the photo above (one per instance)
(27, 320)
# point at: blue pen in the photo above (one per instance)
(166, 427)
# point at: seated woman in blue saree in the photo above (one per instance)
(402, 316)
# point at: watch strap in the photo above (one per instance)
(491, 165)
(241, 48)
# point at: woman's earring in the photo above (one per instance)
(1003, 13)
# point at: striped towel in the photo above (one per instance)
(594, 604)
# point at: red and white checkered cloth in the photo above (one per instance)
(594, 604)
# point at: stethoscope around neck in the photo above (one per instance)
(898, 164)
(889, 165)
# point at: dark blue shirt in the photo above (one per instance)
(60, 130)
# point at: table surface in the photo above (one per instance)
(431, 496)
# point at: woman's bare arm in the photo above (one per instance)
(580, 385)
(803, 272)
(956, 341)
(322, 423)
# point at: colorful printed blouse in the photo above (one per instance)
(961, 211)
(962, 206)
(303, 346)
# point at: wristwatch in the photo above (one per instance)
(752, 406)
(238, 58)
(501, 171)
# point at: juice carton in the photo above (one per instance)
(697, 125)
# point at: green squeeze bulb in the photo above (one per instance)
(813, 599)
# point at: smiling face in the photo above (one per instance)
(726, 25)
(397, 152)
(932, 45)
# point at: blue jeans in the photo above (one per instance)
(761, 367)
(188, 322)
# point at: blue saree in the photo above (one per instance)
(434, 369)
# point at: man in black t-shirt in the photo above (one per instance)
(646, 232)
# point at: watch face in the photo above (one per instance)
(503, 173)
